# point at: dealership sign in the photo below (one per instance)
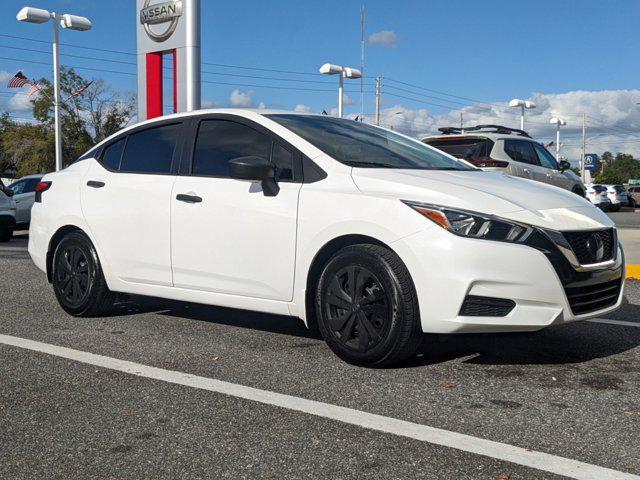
(166, 14)
(168, 28)
(590, 161)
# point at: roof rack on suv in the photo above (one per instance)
(486, 128)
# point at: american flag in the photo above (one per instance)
(80, 90)
(33, 88)
(18, 80)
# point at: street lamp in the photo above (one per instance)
(71, 22)
(516, 102)
(557, 121)
(342, 72)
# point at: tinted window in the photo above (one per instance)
(18, 187)
(360, 145)
(151, 151)
(464, 148)
(521, 151)
(546, 159)
(111, 155)
(219, 141)
(282, 159)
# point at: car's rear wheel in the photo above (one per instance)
(6, 231)
(632, 203)
(366, 306)
(78, 281)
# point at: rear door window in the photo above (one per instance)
(463, 147)
(521, 151)
(151, 150)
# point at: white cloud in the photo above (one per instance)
(4, 76)
(347, 100)
(209, 103)
(241, 99)
(20, 103)
(262, 106)
(613, 119)
(302, 108)
(384, 38)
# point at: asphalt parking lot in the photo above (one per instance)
(572, 392)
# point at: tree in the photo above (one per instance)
(86, 119)
(620, 169)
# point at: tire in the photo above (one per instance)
(78, 281)
(632, 203)
(6, 232)
(366, 306)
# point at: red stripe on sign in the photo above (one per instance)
(154, 85)
(175, 81)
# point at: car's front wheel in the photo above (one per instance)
(78, 281)
(366, 306)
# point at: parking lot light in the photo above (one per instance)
(342, 72)
(516, 102)
(69, 22)
(558, 122)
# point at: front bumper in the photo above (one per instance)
(447, 268)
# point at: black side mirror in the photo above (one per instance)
(564, 165)
(8, 192)
(255, 169)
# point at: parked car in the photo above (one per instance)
(7, 213)
(369, 235)
(597, 194)
(24, 192)
(633, 192)
(618, 196)
(496, 148)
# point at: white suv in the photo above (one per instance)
(508, 150)
(367, 234)
(7, 213)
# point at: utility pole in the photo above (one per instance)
(461, 122)
(378, 80)
(56, 95)
(584, 145)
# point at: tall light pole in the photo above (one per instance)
(342, 72)
(516, 102)
(557, 121)
(71, 22)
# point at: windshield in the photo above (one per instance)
(617, 188)
(360, 145)
(599, 188)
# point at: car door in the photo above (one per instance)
(24, 196)
(552, 170)
(227, 236)
(126, 202)
(523, 153)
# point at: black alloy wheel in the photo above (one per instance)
(357, 308)
(366, 306)
(78, 281)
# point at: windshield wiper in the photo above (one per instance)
(355, 163)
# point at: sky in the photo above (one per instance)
(436, 59)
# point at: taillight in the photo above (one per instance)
(40, 188)
(483, 162)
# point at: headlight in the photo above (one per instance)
(473, 224)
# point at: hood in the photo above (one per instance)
(485, 192)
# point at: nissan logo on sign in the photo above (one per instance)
(165, 15)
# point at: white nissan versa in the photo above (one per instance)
(370, 235)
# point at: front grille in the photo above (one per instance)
(593, 297)
(579, 242)
(476, 306)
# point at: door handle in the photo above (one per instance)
(95, 184)
(188, 198)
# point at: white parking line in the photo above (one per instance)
(467, 443)
(615, 322)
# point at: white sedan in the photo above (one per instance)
(369, 235)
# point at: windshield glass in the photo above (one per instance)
(599, 188)
(360, 145)
(618, 189)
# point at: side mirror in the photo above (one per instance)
(255, 169)
(564, 165)
(8, 192)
